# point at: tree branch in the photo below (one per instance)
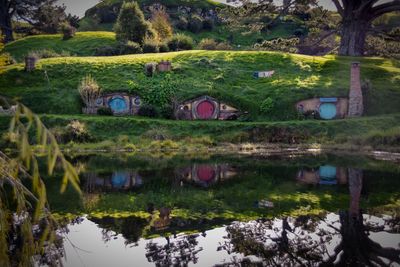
(339, 7)
(384, 8)
(323, 37)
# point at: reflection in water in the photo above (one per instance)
(343, 240)
(161, 210)
(118, 180)
(326, 175)
(206, 174)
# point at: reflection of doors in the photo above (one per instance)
(205, 173)
(205, 110)
(118, 104)
(327, 111)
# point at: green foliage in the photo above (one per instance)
(150, 46)
(83, 44)
(378, 46)
(131, 24)
(161, 24)
(26, 208)
(68, 31)
(77, 131)
(195, 24)
(180, 42)
(104, 111)
(182, 24)
(48, 53)
(208, 44)
(208, 24)
(267, 105)
(157, 92)
(148, 110)
(279, 44)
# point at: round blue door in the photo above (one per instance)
(118, 104)
(327, 111)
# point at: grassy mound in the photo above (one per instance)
(224, 75)
(83, 44)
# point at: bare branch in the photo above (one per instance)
(379, 10)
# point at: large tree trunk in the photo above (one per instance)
(5, 23)
(353, 36)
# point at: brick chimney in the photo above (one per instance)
(356, 107)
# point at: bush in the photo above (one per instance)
(267, 105)
(68, 31)
(182, 24)
(130, 48)
(163, 47)
(148, 111)
(107, 51)
(104, 111)
(76, 131)
(131, 24)
(49, 53)
(180, 42)
(150, 46)
(195, 24)
(223, 46)
(208, 24)
(208, 44)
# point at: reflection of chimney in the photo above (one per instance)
(355, 95)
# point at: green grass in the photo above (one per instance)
(83, 44)
(226, 75)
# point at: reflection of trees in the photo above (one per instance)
(131, 228)
(342, 240)
(177, 252)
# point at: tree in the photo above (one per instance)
(161, 24)
(24, 10)
(48, 18)
(131, 24)
(356, 18)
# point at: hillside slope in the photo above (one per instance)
(225, 75)
(83, 44)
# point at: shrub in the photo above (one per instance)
(89, 91)
(107, 51)
(182, 24)
(279, 44)
(180, 42)
(76, 131)
(131, 24)
(163, 47)
(208, 24)
(208, 44)
(49, 53)
(130, 48)
(104, 111)
(267, 105)
(148, 111)
(150, 46)
(68, 31)
(161, 24)
(195, 24)
(223, 46)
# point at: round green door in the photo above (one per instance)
(327, 111)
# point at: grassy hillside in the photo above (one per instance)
(225, 75)
(83, 44)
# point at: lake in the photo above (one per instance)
(229, 210)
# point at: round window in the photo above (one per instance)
(327, 111)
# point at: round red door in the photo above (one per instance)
(205, 110)
(205, 173)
